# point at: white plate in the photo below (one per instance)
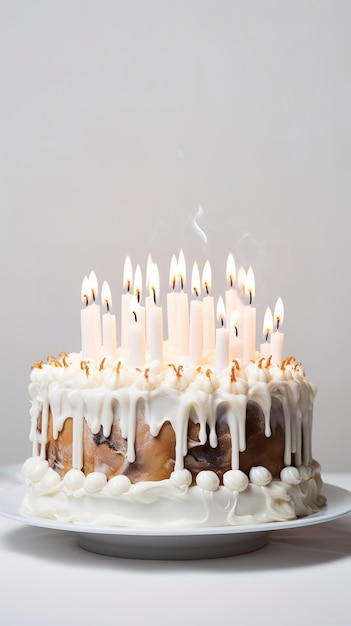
(174, 543)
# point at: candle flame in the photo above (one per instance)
(173, 271)
(93, 285)
(242, 280)
(234, 318)
(195, 280)
(279, 312)
(250, 284)
(231, 270)
(267, 323)
(154, 281)
(106, 295)
(127, 274)
(181, 269)
(138, 282)
(86, 291)
(220, 310)
(207, 277)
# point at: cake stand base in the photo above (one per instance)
(173, 547)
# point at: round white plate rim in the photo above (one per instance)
(339, 504)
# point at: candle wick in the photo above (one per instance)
(250, 297)
(236, 331)
(93, 294)
(267, 335)
(107, 306)
(135, 316)
(231, 281)
(196, 291)
(278, 321)
(154, 292)
(222, 322)
(207, 289)
(138, 296)
(173, 283)
(181, 282)
(86, 300)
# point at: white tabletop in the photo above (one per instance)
(302, 576)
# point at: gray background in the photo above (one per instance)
(119, 119)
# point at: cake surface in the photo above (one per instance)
(174, 446)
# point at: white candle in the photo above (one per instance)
(196, 322)
(109, 332)
(265, 348)
(136, 337)
(249, 314)
(222, 339)
(236, 345)
(277, 338)
(182, 311)
(138, 285)
(86, 322)
(125, 306)
(91, 320)
(155, 321)
(231, 296)
(208, 311)
(172, 304)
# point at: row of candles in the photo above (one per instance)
(192, 331)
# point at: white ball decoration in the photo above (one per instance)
(290, 475)
(35, 469)
(74, 479)
(235, 480)
(207, 480)
(181, 478)
(119, 485)
(94, 482)
(260, 476)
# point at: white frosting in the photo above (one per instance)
(101, 392)
(172, 502)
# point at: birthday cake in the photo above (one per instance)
(149, 434)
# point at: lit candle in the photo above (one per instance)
(138, 287)
(277, 338)
(91, 319)
(265, 348)
(231, 296)
(236, 347)
(109, 333)
(126, 298)
(172, 304)
(136, 337)
(222, 339)
(196, 323)
(155, 321)
(182, 310)
(249, 319)
(208, 310)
